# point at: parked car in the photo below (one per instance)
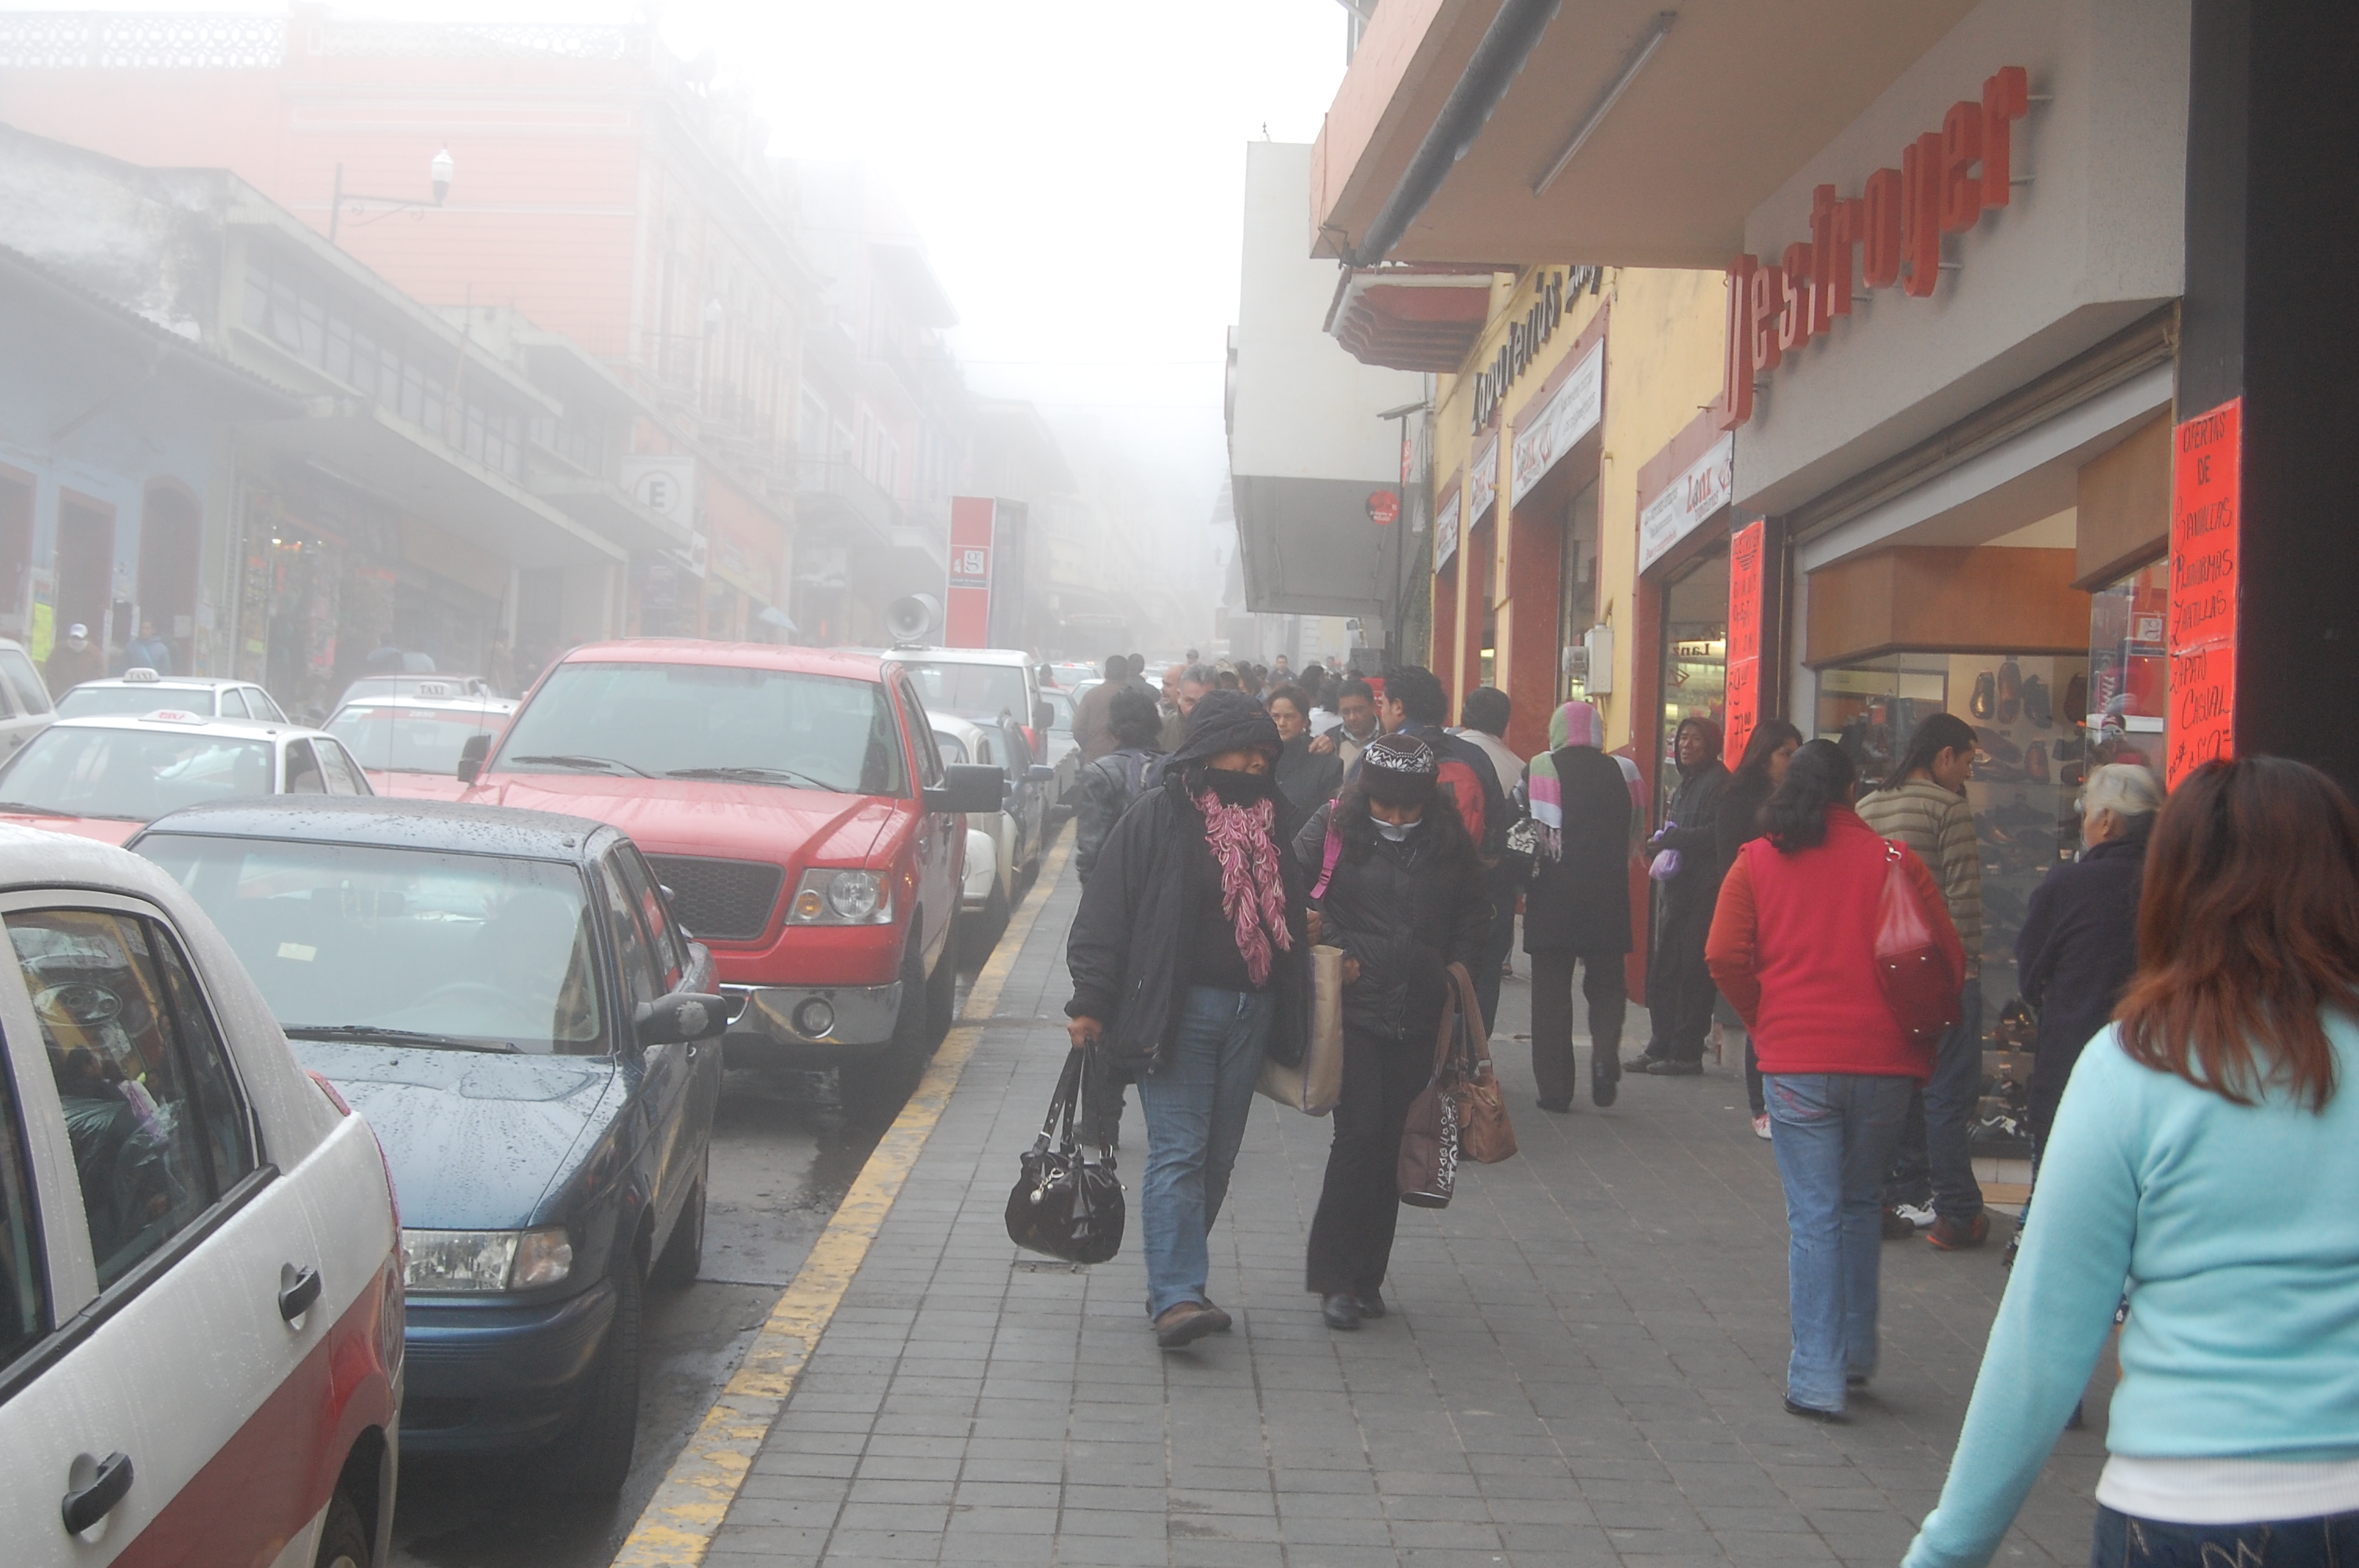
(410, 744)
(1062, 749)
(1067, 675)
(506, 999)
(200, 1267)
(141, 691)
(103, 778)
(1012, 834)
(988, 684)
(795, 804)
(25, 707)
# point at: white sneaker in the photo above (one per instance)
(1761, 1125)
(1922, 1218)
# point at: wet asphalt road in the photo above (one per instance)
(786, 1148)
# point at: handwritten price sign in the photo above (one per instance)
(1743, 706)
(2206, 500)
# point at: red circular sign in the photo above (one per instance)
(1383, 507)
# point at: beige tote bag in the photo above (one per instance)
(1316, 1087)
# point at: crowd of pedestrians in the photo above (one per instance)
(2194, 973)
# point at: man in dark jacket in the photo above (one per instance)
(1577, 907)
(1091, 730)
(1109, 783)
(1191, 961)
(1679, 987)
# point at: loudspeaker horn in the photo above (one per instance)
(913, 617)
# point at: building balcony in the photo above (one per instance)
(836, 504)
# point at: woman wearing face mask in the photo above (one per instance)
(1405, 900)
(1189, 961)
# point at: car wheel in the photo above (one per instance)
(683, 1253)
(344, 1543)
(592, 1459)
(942, 991)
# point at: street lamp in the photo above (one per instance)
(439, 172)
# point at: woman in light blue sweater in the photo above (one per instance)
(2203, 1153)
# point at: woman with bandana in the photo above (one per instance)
(1402, 894)
(1190, 959)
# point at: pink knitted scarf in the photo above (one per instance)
(1253, 893)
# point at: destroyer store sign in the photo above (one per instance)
(1892, 231)
(2206, 502)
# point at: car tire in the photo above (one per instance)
(594, 1457)
(942, 991)
(344, 1541)
(683, 1252)
(904, 1056)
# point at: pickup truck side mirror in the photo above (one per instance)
(968, 787)
(471, 758)
(1043, 773)
(681, 1016)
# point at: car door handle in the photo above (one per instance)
(85, 1506)
(295, 1296)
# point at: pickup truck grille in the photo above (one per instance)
(729, 901)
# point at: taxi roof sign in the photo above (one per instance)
(141, 674)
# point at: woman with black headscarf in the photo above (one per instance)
(1403, 896)
(1190, 962)
(1678, 987)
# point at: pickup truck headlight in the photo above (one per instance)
(454, 1262)
(841, 898)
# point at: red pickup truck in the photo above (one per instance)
(794, 806)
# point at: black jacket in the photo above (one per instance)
(1695, 807)
(1108, 786)
(1308, 780)
(1738, 820)
(1407, 911)
(1581, 902)
(2077, 950)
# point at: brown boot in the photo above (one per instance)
(1184, 1323)
(1948, 1236)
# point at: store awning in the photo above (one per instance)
(1678, 123)
(607, 509)
(362, 445)
(1412, 317)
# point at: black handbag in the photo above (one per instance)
(1064, 1205)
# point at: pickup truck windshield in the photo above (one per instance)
(798, 731)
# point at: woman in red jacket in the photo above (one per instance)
(1793, 948)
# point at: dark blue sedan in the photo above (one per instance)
(506, 997)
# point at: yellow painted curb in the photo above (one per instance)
(678, 1525)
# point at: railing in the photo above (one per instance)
(125, 40)
(473, 40)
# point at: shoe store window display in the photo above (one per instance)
(1401, 891)
(1190, 960)
(1792, 945)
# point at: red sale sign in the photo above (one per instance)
(2206, 515)
(1743, 706)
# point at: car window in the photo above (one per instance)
(670, 952)
(986, 748)
(259, 701)
(344, 778)
(7, 703)
(950, 748)
(24, 681)
(303, 774)
(929, 760)
(410, 739)
(971, 691)
(233, 703)
(1061, 710)
(24, 1281)
(631, 948)
(133, 774)
(157, 1130)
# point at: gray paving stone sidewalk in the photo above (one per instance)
(1583, 1366)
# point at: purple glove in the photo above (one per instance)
(1665, 866)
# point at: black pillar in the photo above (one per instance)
(2271, 315)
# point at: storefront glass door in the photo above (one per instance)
(1694, 660)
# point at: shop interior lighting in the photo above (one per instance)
(1596, 116)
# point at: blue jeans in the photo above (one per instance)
(1833, 1133)
(2126, 1542)
(1936, 1160)
(1196, 1105)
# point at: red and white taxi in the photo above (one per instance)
(201, 1271)
(106, 778)
(411, 743)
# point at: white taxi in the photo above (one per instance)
(106, 778)
(411, 743)
(200, 1270)
(141, 690)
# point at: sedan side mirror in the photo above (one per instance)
(1044, 716)
(1043, 773)
(968, 787)
(471, 758)
(681, 1016)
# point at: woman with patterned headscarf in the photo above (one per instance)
(1577, 908)
(1190, 962)
(1403, 895)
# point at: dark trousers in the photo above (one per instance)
(1680, 992)
(1351, 1234)
(1753, 1078)
(1506, 886)
(1935, 1159)
(1553, 1064)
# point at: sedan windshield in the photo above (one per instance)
(748, 726)
(136, 775)
(115, 701)
(409, 739)
(430, 948)
(971, 691)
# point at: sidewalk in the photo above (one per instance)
(1583, 1365)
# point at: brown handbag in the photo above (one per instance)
(1460, 1111)
(1485, 1135)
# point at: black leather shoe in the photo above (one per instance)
(1559, 1105)
(1371, 1304)
(1812, 1413)
(1340, 1311)
(1639, 1064)
(1605, 1077)
(1674, 1069)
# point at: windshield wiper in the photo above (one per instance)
(395, 1037)
(26, 808)
(751, 775)
(576, 760)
